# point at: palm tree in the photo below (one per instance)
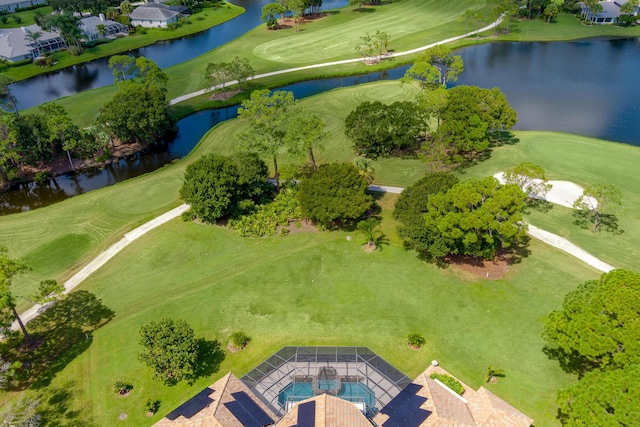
(371, 230)
(365, 168)
(126, 8)
(33, 36)
(101, 29)
(493, 374)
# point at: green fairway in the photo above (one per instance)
(321, 289)
(584, 161)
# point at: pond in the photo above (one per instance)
(587, 88)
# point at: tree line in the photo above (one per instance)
(138, 114)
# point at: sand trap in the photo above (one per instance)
(563, 193)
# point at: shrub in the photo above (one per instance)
(17, 19)
(4, 18)
(267, 218)
(239, 339)
(416, 340)
(141, 30)
(449, 381)
(73, 50)
(122, 387)
(152, 405)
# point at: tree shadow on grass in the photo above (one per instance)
(55, 407)
(210, 357)
(62, 333)
(570, 362)
(608, 222)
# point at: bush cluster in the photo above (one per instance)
(449, 381)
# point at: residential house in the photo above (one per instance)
(609, 13)
(156, 15)
(90, 24)
(11, 5)
(16, 44)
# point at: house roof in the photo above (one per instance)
(9, 2)
(153, 12)
(90, 23)
(324, 411)
(14, 44)
(431, 404)
(226, 403)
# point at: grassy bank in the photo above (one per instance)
(26, 17)
(211, 18)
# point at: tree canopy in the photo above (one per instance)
(170, 348)
(265, 111)
(599, 202)
(530, 178)
(217, 186)
(475, 217)
(335, 193)
(436, 66)
(471, 119)
(412, 205)
(377, 130)
(602, 398)
(598, 326)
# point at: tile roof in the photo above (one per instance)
(330, 411)
(13, 42)
(152, 12)
(215, 406)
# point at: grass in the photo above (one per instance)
(212, 17)
(584, 161)
(27, 17)
(312, 289)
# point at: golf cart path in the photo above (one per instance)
(329, 64)
(535, 232)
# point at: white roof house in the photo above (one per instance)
(90, 24)
(12, 5)
(154, 15)
(16, 46)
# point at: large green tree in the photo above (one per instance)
(411, 207)
(212, 187)
(599, 324)
(170, 348)
(137, 113)
(436, 66)
(471, 120)
(476, 217)
(336, 193)
(265, 112)
(602, 398)
(379, 130)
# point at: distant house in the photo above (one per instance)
(11, 5)
(156, 15)
(90, 24)
(609, 14)
(16, 45)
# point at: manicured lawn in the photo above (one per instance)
(584, 161)
(212, 17)
(27, 17)
(313, 289)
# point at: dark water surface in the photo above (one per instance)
(590, 88)
(95, 74)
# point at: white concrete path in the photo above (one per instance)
(545, 236)
(105, 256)
(329, 64)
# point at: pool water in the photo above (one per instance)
(352, 392)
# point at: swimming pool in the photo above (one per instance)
(352, 392)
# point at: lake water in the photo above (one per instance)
(588, 88)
